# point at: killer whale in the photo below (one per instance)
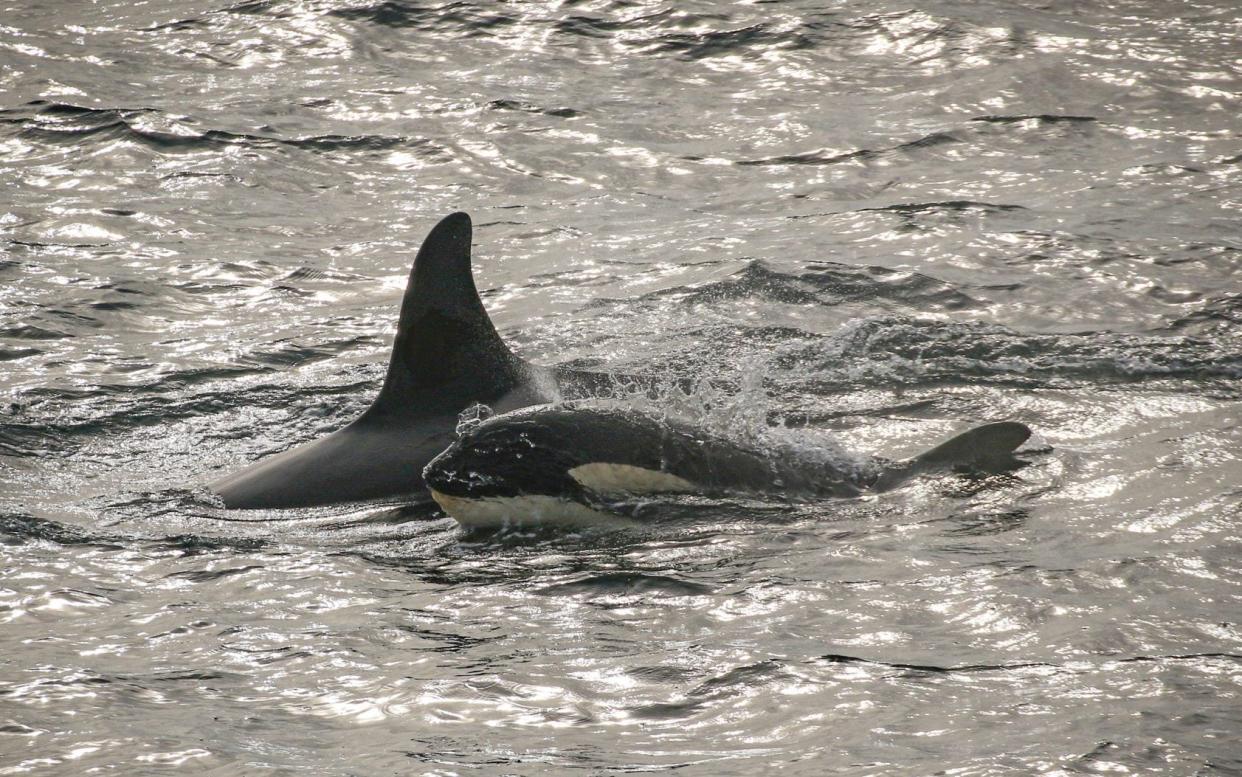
(562, 464)
(447, 355)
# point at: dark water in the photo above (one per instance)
(875, 222)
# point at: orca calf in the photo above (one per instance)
(560, 464)
(447, 356)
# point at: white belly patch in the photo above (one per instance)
(605, 478)
(528, 510)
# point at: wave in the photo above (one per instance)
(1041, 118)
(1217, 314)
(755, 39)
(689, 36)
(912, 208)
(12, 354)
(453, 18)
(889, 331)
(17, 528)
(1089, 664)
(824, 283)
(518, 105)
(739, 680)
(911, 37)
(61, 420)
(57, 123)
(909, 350)
(916, 216)
(626, 583)
(716, 689)
(825, 157)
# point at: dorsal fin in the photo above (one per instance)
(447, 351)
(987, 448)
(984, 448)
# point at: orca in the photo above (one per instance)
(447, 356)
(565, 463)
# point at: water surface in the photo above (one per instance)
(873, 224)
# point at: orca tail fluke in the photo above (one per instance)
(988, 448)
(446, 344)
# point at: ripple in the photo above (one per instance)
(625, 584)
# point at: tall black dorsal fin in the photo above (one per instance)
(446, 346)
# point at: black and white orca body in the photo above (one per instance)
(562, 464)
(446, 357)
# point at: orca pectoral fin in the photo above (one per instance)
(988, 448)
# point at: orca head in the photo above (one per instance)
(505, 457)
(549, 465)
(512, 472)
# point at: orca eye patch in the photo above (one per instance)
(490, 465)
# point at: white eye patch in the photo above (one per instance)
(605, 478)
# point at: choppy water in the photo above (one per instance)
(876, 222)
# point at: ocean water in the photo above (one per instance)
(868, 224)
